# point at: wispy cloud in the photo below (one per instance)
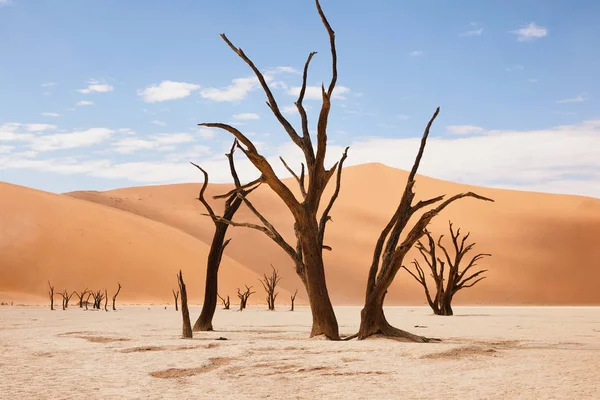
(83, 103)
(162, 142)
(315, 92)
(48, 84)
(62, 141)
(159, 123)
(96, 87)
(464, 129)
(244, 116)
(237, 91)
(50, 114)
(578, 99)
(530, 32)
(39, 127)
(403, 116)
(415, 53)
(167, 90)
(476, 32)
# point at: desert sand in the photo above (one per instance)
(544, 247)
(136, 352)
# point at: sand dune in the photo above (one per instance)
(544, 246)
(77, 244)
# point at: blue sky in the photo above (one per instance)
(106, 94)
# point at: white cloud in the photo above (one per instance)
(83, 103)
(291, 109)
(167, 90)
(246, 116)
(96, 88)
(530, 32)
(283, 69)
(50, 114)
(578, 99)
(6, 149)
(10, 132)
(315, 92)
(237, 91)
(159, 123)
(48, 84)
(416, 53)
(464, 129)
(162, 142)
(40, 127)
(61, 141)
(476, 32)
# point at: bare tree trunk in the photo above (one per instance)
(269, 284)
(105, 300)
(87, 300)
(226, 303)
(293, 298)
(80, 297)
(176, 296)
(51, 295)
(115, 297)
(185, 313)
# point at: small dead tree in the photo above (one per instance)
(455, 279)
(186, 331)
(98, 297)
(226, 303)
(105, 300)
(65, 298)
(269, 284)
(293, 298)
(87, 300)
(244, 296)
(389, 253)
(176, 297)
(115, 296)
(80, 297)
(51, 295)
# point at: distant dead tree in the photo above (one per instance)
(87, 300)
(105, 300)
(390, 251)
(176, 297)
(244, 296)
(455, 279)
(51, 295)
(185, 313)
(309, 226)
(98, 297)
(293, 298)
(225, 302)
(65, 298)
(269, 284)
(115, 296)
(80, 297)
(232, 204)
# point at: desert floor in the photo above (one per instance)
(136, 352)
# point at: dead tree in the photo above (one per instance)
(232, 204)
(186, 331)
(87, 300)
(176, 296)
(65, 298)
(51, 295)
(269, 284)
(225, 302)
(244, 296)
(455, 279)
(309, 226)
(389, 253)
(293, 298)
(105, 300)
(115, 297)
(80, 297)
(98, 297)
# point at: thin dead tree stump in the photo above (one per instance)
(226, 303)
(51, 295)
(185, 313)
(105, 300)
(176, 297)
(87, 300)
(269, 284)
(114, 298)
(293, 298)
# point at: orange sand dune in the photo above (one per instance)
(545, 247)
(77, 244)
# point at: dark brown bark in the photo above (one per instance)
(389, 253)
(226, 303)
(293, 298)
(176, 297)
(51, 295)
(105, 300)
(232, 204)
(455, 279)
(80, 297)
(87, 300)
(98, 297)
(186, 330)
(114, 298)
(65, 298)
(244, 297)
(309, 227)
(269, 284)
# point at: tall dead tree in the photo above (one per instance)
(293, 298)
(244, 297)
(309, 226)
(232, 204)
(80, 297)
(389, 253)
(269, 283)
(114, 299)
(455, 279)
(186, 331)
(65, 298)
(51, 295)
(176, 296)
(226, 303)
